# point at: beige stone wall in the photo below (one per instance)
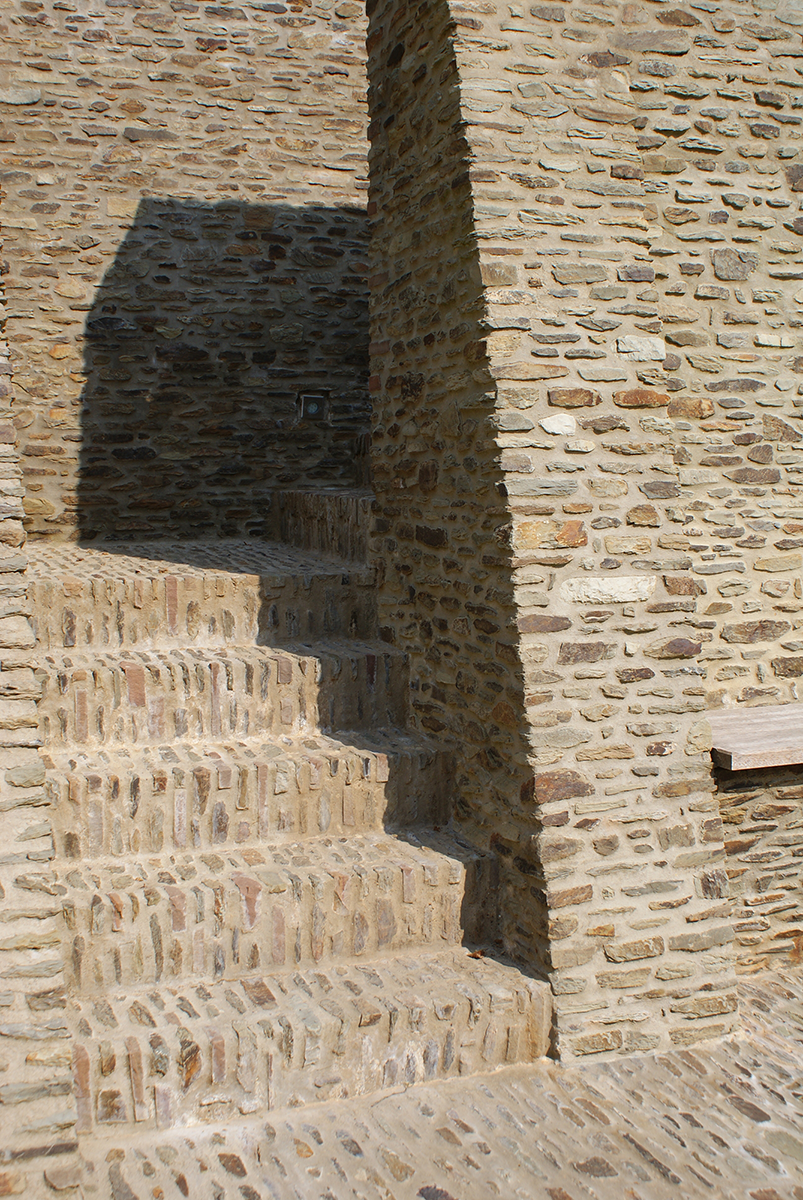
(36, 1106)
(634, 218)
(442, 523)
(585, 384)
(631, 850)
(185, 230)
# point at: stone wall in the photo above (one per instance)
(585, 383)
(633, 216)
(761, 812)
(36, 1106)
(186, 237)
(441, 541)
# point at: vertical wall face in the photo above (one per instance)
(35, 1056)
(442, 526)
(761, 813)
(633, 212)
(185, 231)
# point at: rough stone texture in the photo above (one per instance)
(716, 1118)
(582, 214)
(442, 525)
(241, 930)
(186, 235)
(761, 813)
(566, 268)
(38, 1110)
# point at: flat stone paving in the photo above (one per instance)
(721, 1119)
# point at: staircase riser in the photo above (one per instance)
(127, 811)
(152, 700)
(266, 1059)
(329, 522)
(192, 610)
(220, 926)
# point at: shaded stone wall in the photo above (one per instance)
(186, 239)
(442, 523)
(761, 812)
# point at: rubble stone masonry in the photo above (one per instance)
(619, 400)
(38, 1112)
(586, 395)
(185, 230)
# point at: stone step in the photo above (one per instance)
(163, 594)
(236, 912)
(329, 520)
(134, 697)
(204, 1052)
(120, 802)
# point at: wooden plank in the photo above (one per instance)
(767, 736)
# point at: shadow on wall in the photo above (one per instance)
(443, 539)
(226, 357)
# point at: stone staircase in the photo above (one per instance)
(263, 902)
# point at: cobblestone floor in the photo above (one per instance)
(721, 1120)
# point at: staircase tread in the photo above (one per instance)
(139, 799)
(372, 742)
(112, 561)
(228, 912)
(83, 658)
(269, 1041)
(187, 755)
(428, 976)
(357, 852)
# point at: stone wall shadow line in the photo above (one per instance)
(225, 358)
(442, 537)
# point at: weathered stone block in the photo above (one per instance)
(585, 652)
(568, 273)
(696, 942)
(560, 784)
(755, 631)
(632, 951)
(616, 589)
(597, 1043)
(573, 398)
(734, 265)
(640, 398)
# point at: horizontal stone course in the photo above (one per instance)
(193, 594)
(762, 818)
(144, 697)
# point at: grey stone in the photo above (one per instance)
(733, 264)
